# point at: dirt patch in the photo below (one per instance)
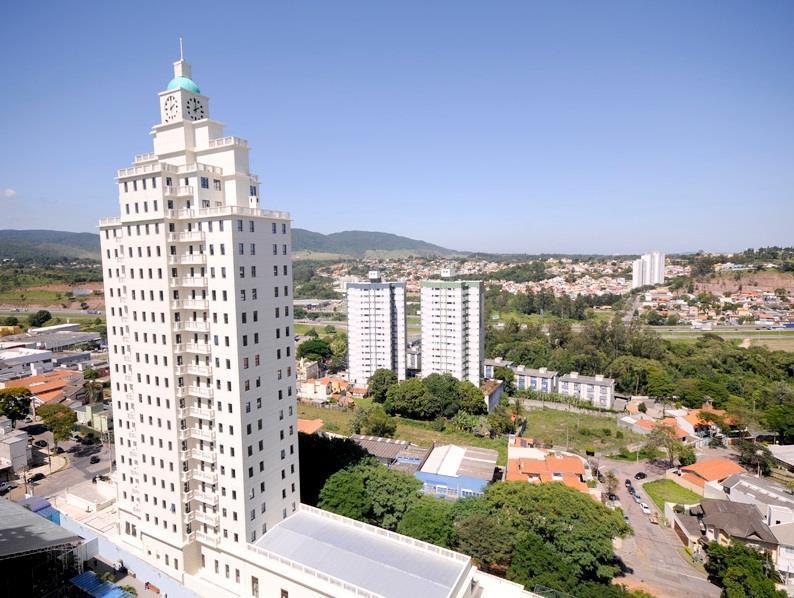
(68, 288)
(733, 282)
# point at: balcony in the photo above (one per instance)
(210, 519)
(116, 221)
(201, 434)
(188, 281)
(138, 170)
(226, 141)
(187, 237)
(206, 498)
(210, 477)
(187, 259)
(209, 539)
(177, 191)
(205, 392)
(144, 157)
(206, 456)
(190, 304)
(191, 326)
(200, 412)
(193, 348)
(194, 370)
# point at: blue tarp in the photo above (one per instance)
(92, 585)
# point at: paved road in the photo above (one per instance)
(79, 469)
(653, 555)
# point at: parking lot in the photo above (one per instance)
(69, 468)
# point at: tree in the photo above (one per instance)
(780, 418)
(663, 437)
(329, 329)
(15, 403)
(10, 321)
(407, 398)
(316, 350)
(344, 494)
(686, 455)
(535, 562)
(756, 457)
(429, 520)
(741, 571)
(471, 399)
(486, 540)
(374, 421)
(58, 418)
(612, 482)
(39, 318)
(507, 376)
(379, 383)
(320, 458)
(586, 546)
(90, 374)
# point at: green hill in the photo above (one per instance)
(51, 245)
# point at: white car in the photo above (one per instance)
(5, 486)
(645, 508)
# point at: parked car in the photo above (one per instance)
(77, 437)
(40, 443)
(645, 508)
(94, 459)
(6, 486)
(36, 477)
(627, 483)
(626, 518)
(88, 441)
(640, 475)
(73, 449)
(637, 498)
(57, 450)
(613, 497)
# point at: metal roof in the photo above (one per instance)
(382, 448)
(22, 530)
(371, 559)
(453, 461)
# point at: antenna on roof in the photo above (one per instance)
(181, 54)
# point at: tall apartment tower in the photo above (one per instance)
(453, 331)
(648, 270)
(376, 328)
(198, 284)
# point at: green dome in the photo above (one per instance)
(183, 83)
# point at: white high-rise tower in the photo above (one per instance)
(376, 328)
(453, 329)
(648, 270)
(198, 284)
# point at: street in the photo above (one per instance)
(653, 556)
(79, 468)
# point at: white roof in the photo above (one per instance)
(783, 452)
(370, 559)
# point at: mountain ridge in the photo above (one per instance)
(30, 244)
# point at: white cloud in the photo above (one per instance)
(9, 192)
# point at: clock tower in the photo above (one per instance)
(182, 99)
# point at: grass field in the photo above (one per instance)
(31, 297)
(578, 431)
(781, 340)
(662, 491)
(413, 431)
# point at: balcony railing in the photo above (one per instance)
(230, 140)
(190, 304)
(188, 259)
(191, 326)
(188, 281)
(186, 237)
(178, 191)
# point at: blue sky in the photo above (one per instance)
(494, 126)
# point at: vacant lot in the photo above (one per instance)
(418, 432)
(577, 431)
(662, 491)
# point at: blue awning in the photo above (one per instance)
(92, 585)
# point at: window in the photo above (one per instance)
(216, 184)
(205, 183)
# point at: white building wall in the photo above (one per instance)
(452, 329)
(376, 329)
(648, 270)
(198, 283)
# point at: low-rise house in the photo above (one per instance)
(775, 502)
(527, 463)
(96, 416)
(393, 453)
(489, 365)
(725, 522)
(492, 391)
(597, 390)
(454, 472)
(315, 390)
(696, 476)
(784, 534)
(15, 452)
(310, 426)
(57, 386)
(306, 369)
(700, 422)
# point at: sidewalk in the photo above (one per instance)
(59, 462)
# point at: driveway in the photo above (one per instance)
(654, 556)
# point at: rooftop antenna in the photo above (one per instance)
(181, 54)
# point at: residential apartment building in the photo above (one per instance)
(376, 328)
(648, 270)
(537, 380)
(596, 390)
(453, 332)
(198, 285)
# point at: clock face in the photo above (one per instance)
(170, 109)
(194, 109)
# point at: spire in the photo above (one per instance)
(182, 68)
(181, 53)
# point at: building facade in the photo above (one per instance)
(376, 328)
(453, 329)
(597, 390)
(198, 285)
(648, 270)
